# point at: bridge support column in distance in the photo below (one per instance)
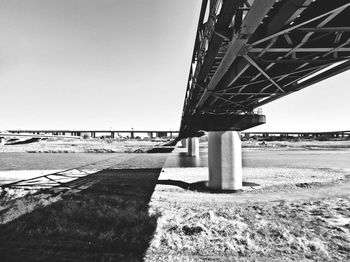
(2, 141)
(225, 161)
(184, 143)
(193, 146)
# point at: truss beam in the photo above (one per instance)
(250, 23)
(263, 51)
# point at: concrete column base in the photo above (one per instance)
(193, 146)
(225, 161)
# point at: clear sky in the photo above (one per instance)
(101, 64)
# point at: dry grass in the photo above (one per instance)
(252, 232)
(82, 146)
(292, 144)
(112, 220)
(109, 221)
(297, 144)
(259, 179)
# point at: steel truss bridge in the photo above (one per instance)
(248, 53)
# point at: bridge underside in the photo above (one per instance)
(210, 122)
(249, 53)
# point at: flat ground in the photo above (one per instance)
(290, 210)
(57, 145)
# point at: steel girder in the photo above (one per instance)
(249, 53)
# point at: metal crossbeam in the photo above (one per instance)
(270, 49)
(329, 17)
(251, 61)
(255, 93)
(335, 11)
(250, 23)
(289, 75)
(323, 29)
(299, 50)
(329, 73)
(302, 61)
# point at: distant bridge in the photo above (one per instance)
(248, 53)
(168, 134)
(327, 134)
(97, 132)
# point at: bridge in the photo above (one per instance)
(163, 134)
(95, 133)
(248, 53)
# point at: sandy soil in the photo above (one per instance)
(113, 220)
(115, 146)
(297, 144)
(82, 146)
(260, 179)
(292, 215)
(270, 231)
(283, 214)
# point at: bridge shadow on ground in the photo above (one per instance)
(109, 221)
(200, 186)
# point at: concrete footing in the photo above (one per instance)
(225, 161)
(193, 146)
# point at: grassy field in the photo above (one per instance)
(283, 214)
(109, 221)
(121, 215)
(139, 146)
(272, 231)
(289, 214)
(83, 146)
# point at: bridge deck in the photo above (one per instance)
(249, 53)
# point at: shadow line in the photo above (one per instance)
(200, 186)
(108, 221)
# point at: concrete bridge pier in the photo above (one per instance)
(225, 161)
(184, 143)
(2, 141)
(193, 146)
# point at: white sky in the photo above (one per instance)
(101, 64)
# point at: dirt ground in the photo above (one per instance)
(118, 215)
(299, 230)
(299, 213)
(83, 146)
(282, 214)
